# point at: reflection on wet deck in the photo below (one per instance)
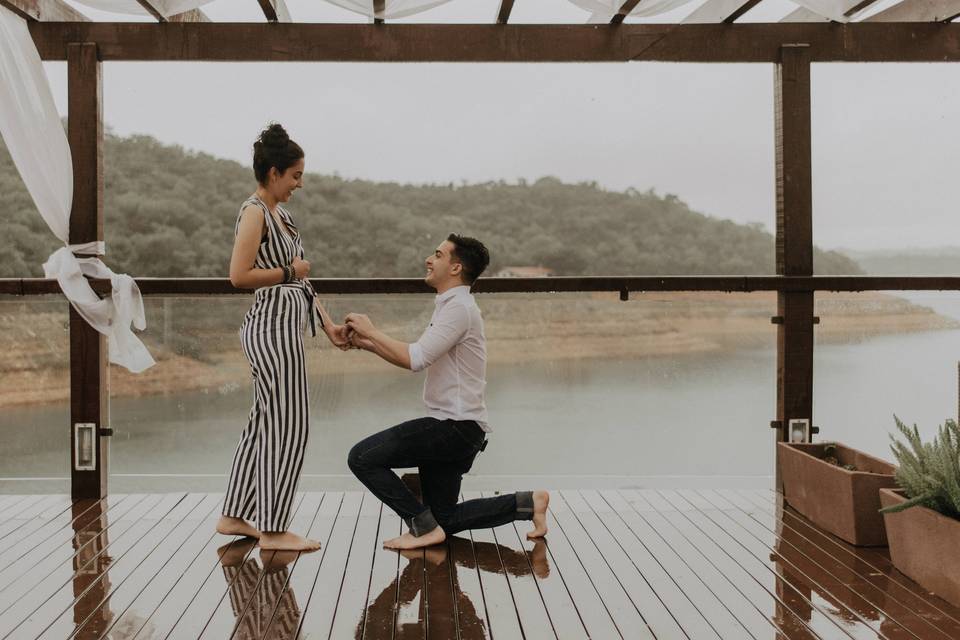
(616, 564)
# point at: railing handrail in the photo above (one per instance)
(622, 284)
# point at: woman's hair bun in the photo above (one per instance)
(274, 136)
(274, 148)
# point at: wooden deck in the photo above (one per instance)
(616, 564)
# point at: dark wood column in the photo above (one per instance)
(89, 391)
(794, 235)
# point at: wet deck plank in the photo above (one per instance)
(686, 564)
(498, 594)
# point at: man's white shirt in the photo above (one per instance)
(453, 350)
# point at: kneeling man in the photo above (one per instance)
(444, 444)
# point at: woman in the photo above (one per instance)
(268, 257)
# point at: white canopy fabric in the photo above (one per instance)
(392, 8)
(603, 10)
(33, 133)
(166, 8)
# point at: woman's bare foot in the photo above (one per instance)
(234, 553)
(541, 500)
(274, 561)
(286, 541)
(236, 527)
(410, 541)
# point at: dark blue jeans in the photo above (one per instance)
(442, 450)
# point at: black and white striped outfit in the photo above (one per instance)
(267, 463)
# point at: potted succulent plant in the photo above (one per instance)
(923, 517)
(836, 487)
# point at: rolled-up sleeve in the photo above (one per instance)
(448, 327)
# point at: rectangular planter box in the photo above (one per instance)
(923, 545)
(845, 503)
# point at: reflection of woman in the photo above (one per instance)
(268, 257)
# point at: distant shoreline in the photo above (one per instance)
(558, 328)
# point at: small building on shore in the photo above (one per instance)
(524, 272)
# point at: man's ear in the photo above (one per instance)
(456, 268)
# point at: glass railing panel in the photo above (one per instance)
(883, 353)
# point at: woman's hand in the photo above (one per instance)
(301, 268)
(339, 335)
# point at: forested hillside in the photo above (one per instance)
(170, 212)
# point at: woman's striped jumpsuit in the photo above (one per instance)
(267, 463)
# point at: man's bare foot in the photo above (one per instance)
(541, 500)
(233, 553)
(236, 527)
(286, 541)
(538, 559)
(435, 555)
(410, 541)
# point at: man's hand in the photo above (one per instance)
(359, 323)
(361, 343)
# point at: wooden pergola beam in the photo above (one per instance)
(89, 391)
(856, 42)
(275, 10)
(44, 10)
(794, 235)
(503, 13)
(625, 9)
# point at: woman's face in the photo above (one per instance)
(282, 185)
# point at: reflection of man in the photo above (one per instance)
(444, 444)
(487, 556)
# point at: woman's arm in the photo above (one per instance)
(337, 333)
(243, 274)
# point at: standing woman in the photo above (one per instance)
(268, 257)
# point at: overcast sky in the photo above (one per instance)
(886, 145)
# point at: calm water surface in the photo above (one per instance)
(703, 417)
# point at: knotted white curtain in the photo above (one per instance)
(31, 129)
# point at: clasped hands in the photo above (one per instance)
(354, 333)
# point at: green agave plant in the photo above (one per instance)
(929, 472)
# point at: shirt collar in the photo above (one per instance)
(451, 292)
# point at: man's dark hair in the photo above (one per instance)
(470, 253)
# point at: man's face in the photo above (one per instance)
(441, 269)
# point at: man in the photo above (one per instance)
(444, 444)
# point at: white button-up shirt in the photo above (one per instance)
(453, 350)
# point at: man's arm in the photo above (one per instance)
(443, 334)
(390, 349)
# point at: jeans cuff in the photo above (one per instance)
(525, 505)
(423, 523)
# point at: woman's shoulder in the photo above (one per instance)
(253, 203)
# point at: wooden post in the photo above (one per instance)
(794, 240)
(89, 390)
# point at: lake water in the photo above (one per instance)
(670, 421)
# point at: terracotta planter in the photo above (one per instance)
(923, 545)
(845, 503)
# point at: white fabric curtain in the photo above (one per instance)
(33, 133)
